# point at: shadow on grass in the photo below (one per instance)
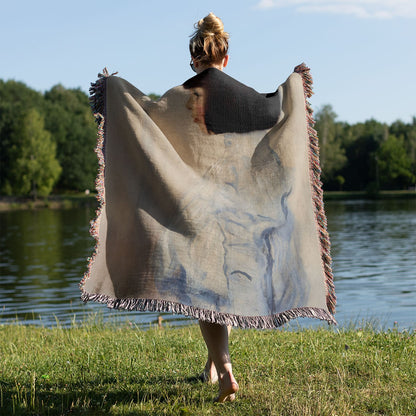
(98, 397)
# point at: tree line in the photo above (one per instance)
(368, 156)
(47, 140)
(47, 143)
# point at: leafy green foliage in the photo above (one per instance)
(71, 133)
(15, 101)
(69, 119)
(332, 154)
(365, 156)
(394, 163)
(153, 96)
(361, 153)
(35, 168)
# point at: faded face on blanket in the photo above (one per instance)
(197, 105)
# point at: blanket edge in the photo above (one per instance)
(245, 322)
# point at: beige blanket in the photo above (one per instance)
(222, 222)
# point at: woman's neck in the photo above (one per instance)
(201, 68)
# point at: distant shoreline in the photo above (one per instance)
(62, 201)
(67, 201)
(341, 195)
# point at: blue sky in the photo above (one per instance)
(361, 53)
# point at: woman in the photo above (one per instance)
(211, 204)
(209, 49)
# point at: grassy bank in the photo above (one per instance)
(103, 370)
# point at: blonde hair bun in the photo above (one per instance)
(209, 42)
(210, 25)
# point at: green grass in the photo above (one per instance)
(107, 369)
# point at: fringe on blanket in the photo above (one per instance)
(317, 192)
(97, 102)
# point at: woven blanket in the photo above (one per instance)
(210, 202)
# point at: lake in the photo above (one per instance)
(43, 257)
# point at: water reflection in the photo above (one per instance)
(43, 257)
(374, 255)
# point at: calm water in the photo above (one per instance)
(43, 257)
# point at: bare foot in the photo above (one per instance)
(228, 388)
(209, 374)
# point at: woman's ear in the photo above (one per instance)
(225, 61)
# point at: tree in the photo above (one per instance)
(15, 99)
(361, 142)
(35, 168)
(408, 133)
(394, 164)
(153, 96)
(69, 119)
(332, 154)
